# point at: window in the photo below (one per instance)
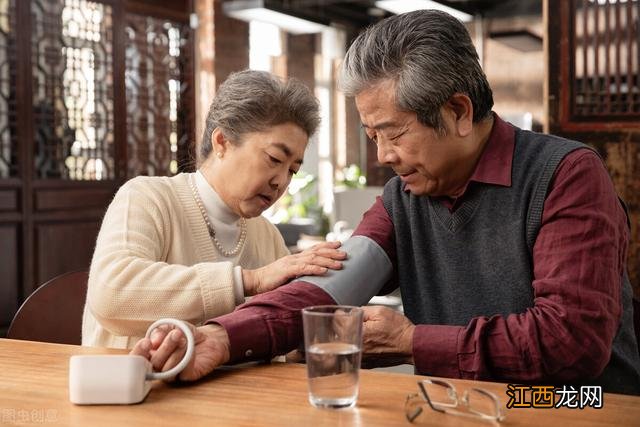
(603, 65)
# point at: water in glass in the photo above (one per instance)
(333, 374)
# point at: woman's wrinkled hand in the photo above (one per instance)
(314, 261)
(167, 345)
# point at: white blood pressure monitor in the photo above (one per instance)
(120, 379)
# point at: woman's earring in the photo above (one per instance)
(219, 154)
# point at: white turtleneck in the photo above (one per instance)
(226, 224)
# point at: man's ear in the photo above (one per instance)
(461, 109)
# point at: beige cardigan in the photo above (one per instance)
(154, 258)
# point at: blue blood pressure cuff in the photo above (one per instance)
(363, 273)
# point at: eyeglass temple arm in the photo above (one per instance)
(426, 397)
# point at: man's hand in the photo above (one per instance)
(167, 346)
(387, 337)
(314, 261)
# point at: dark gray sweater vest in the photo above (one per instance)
(477, 261)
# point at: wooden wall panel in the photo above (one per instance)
(62, 198)
(54, 242)
(8, 272)
(8, 200)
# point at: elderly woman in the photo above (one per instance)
(192, 246)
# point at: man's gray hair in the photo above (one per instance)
(253, 101)
(429, 56)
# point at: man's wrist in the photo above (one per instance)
(219, 335)
(407, 342)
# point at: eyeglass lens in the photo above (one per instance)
(481, 403)
(443, 397)
(440, 394)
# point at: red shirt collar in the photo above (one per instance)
(494, 166)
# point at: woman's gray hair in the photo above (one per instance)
(429, 56)
(253, 101)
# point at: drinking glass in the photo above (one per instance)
(333, 347)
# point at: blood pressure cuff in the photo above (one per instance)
(364, 272)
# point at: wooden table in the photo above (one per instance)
(34, 391)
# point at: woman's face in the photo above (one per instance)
(251, 176)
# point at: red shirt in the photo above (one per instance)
(578, 260)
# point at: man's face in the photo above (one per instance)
(425, 161)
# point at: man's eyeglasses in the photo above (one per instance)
(441, 396)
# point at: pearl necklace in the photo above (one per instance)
(212, 231)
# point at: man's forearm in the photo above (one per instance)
(270, 324)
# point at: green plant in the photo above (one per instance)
(301, 202)
(351, 177)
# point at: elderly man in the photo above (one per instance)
(508, 246)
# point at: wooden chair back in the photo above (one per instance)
(53, 312)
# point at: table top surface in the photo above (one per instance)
(35, 376)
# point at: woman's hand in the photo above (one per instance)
(314, 261)
(167, 346)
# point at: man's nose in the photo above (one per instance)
(386, 155)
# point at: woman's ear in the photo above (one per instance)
(218, 143)
(461, 108)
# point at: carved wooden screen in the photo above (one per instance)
(605, 37)
(9, 161)
(602, 51)
(158, 58)
(8, 146)
(92, 92)
(73, 91)
(72, 63)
